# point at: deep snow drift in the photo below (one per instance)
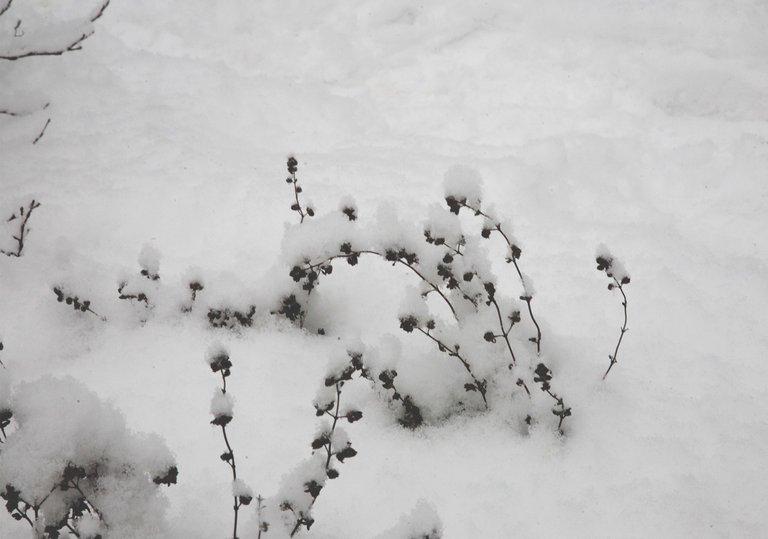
(641, 126)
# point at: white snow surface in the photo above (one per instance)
(643, 126)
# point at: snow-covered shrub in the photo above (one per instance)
(71, 465)
(422, 522)
(222, 409)
(619, 276)
(470, 321)
(331, 446)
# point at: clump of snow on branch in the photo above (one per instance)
(422, 522)
(62, 425)
(463, 183)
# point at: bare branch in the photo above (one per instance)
(21, 112)
(6, 7)
(38, 137)
(74, 45)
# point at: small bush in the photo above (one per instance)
(69, 464)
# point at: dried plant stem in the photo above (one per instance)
(614, 357)
(42, 132)
(454, 352)
(298, 207)
(24, 215)
(504, 331)
(6, 7)
(230, 461)
(328, 446)
(512, 258)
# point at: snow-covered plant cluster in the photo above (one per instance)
(70, 467)
(481, 320)
(289, 512)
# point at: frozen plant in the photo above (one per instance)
(230, 318)
(195, 287)
(222, 409)
(84, 305)
(469, 321)
(330, 447)
(308, 211)
(615, 271)
(70, 465)
(145, 285)
(22, 216)
(422, 522)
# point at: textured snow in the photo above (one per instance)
(643, 126)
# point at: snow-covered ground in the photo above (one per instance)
(640, 125)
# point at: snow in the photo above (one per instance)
(222, 404)
(640, 126)
(463, 183)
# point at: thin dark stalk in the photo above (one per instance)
(259, 506)
(512, 258)
(296, 198)
(72, 530)
(329, 452)
(6, 7)
(504, 332)
(527, 300)
(479, 384)
(328, 447)
(24, 215)
(38, 137)
(230, 461)
(614, 357)
(24, 514)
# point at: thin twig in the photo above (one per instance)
(6, 7)
(38, 137)
(614, 357)
(504, 333)
(454, 352)
(514, 249)
(25, 214)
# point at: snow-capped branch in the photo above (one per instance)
(51, 40)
